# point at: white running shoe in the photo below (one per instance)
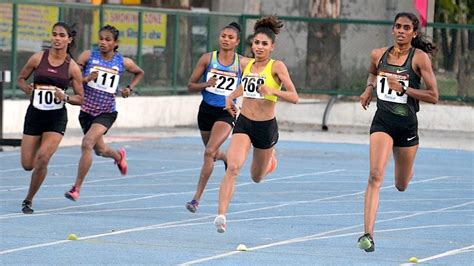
(220, 223)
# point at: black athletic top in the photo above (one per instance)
(397, 102)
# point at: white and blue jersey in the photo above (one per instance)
(99, 94)
(228, 78)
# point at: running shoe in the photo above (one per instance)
(366, 242)
(192, 205)
(26, 207)
(220, 223)
(72, 194)
(272, 164)
(122, 163)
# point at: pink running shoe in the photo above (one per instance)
(72, 194)
(122, 164)
(272, 165)
(220, 223)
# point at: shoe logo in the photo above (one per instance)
(409, 139)
(401, 71)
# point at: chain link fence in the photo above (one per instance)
(324, 56)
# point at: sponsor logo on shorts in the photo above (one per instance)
(411, 138)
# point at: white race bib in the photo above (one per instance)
(386, 94)
(250, 83)
(226, 82)
(107, 80)
(43, 98)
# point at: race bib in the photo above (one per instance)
(226, 82)
(250, 83)
(43, 98)
(386, 94)
(107, 80)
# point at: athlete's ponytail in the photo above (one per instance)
(419, 41)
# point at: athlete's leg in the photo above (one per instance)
(380, 150)
(236, 153)
(49, 144)
(404, 165)
(260, 163)
(219, 133)
(90, 139)
(29, 148)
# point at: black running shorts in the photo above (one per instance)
(263, 134)
(402, 129)
(106, 119)
(209, 114)
(38, 121)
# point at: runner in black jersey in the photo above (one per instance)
(395, 73)
(46, 117)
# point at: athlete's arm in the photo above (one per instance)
(366, 97)
(82, 61)
(26, 71)
(280, 70)
(229, 100)
(133, 68)
(422, 62)
(76, 82)
(193, 84)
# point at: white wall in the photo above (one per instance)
(169, 111)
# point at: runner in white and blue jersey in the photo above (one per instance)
(216, 75)
(102, 69)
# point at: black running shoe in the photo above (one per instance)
(366, 242)
(26, 207)
(192, 206)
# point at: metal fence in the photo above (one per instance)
(324, 56)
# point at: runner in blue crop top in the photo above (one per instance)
(216, 75)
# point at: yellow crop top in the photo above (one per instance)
(250, 81)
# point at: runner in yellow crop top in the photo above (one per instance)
(256, 125)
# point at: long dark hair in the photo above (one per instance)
(115, 32)
(71, 33)
(269, 26)
(420, 40)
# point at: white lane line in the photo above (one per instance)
(185, 223)
(49, 167)
(444, 254)
(323, 235)
(114, 179)
(180, 223)
(20, 215)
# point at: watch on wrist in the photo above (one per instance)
(66, 98)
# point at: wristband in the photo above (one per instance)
(66, 98)
(371, 85)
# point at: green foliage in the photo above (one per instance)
(454, 11)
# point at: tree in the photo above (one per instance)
(324, 46)
(457, 45)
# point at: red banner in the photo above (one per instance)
(422, 7)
